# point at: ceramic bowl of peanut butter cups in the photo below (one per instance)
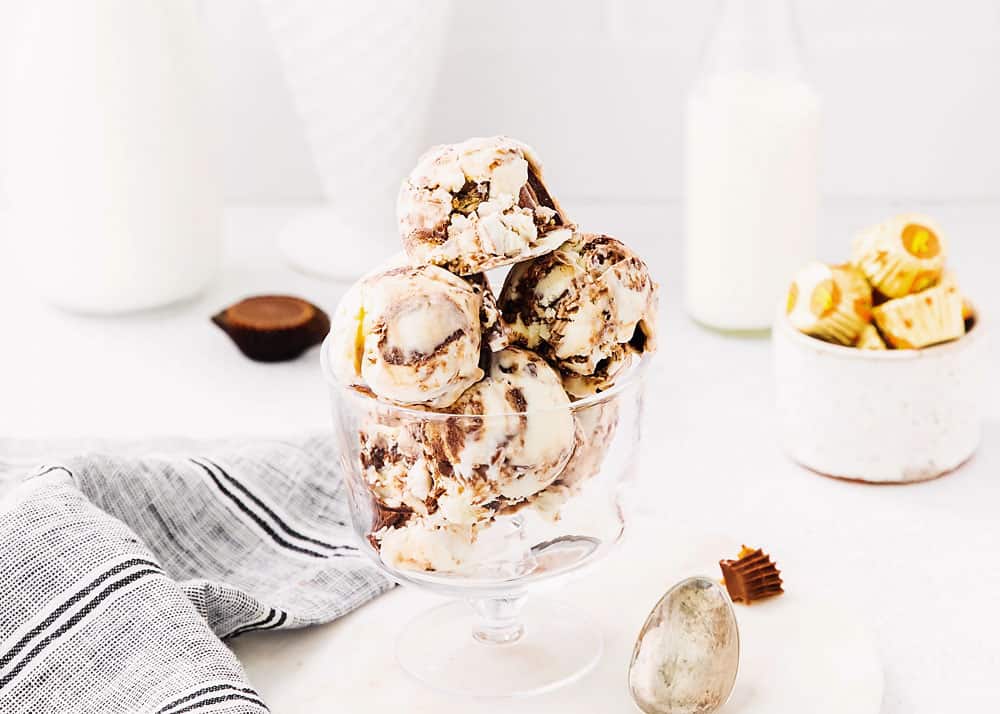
(878, 362)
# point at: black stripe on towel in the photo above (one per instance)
(49, 469)
(264, 526)
(274, 516)
(222, 698)
(208, 690)
(76, 619)
(270, 616)
(258, 627)
(69, 602)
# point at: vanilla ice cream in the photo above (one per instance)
(411, 335)
(478, 204)
(427, 544)
(596, 425)
(515, 433)
(440, 480)
(589, 307)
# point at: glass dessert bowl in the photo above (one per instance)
(482, 507)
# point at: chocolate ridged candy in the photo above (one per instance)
(273, 328)
(752, 576)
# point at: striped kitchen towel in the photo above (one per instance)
(121, 571)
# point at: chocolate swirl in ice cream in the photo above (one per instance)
(595, 430)
(496, 334)
(410, 334)
(513, 438)
(477, 205)
(490, 426)
(589, 307)
(509, 436)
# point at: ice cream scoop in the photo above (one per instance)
(427, 544)
(513, 436)
(393, 463)
(412, 335)
(595, 431)
(496, 334)
(589, 307)
(478, 204)
(437, 482)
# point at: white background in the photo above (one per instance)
(910, 90)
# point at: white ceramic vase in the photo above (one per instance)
(111, 169)
(362, 77)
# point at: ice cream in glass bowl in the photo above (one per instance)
(482, 507)
(488, 439)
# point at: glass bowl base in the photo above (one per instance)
(550, 645)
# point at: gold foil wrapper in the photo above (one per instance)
(931, 316)
(832, 303)
(902, 256)
(870, 339)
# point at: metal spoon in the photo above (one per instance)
(688, 652)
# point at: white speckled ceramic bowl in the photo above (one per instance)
(892, 416)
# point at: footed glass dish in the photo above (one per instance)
(481, 510)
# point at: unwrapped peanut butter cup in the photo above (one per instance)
(273, 328)
(949, 282)
(752, 576)
(831, 302)
(901, 256)
(926, 318)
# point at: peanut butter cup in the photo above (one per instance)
(273, 328)
(870, 339)
(901, 256)
(831, 302)
(752, 576)
(926, 318)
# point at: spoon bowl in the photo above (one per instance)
(687, 654)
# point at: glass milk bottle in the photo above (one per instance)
(110, 154)
(751, 155)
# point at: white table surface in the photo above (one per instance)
(348, 666)
(919, 562)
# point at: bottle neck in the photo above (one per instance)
(758, 37)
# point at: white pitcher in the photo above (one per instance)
(111, 173)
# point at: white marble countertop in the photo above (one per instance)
(919, 562)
